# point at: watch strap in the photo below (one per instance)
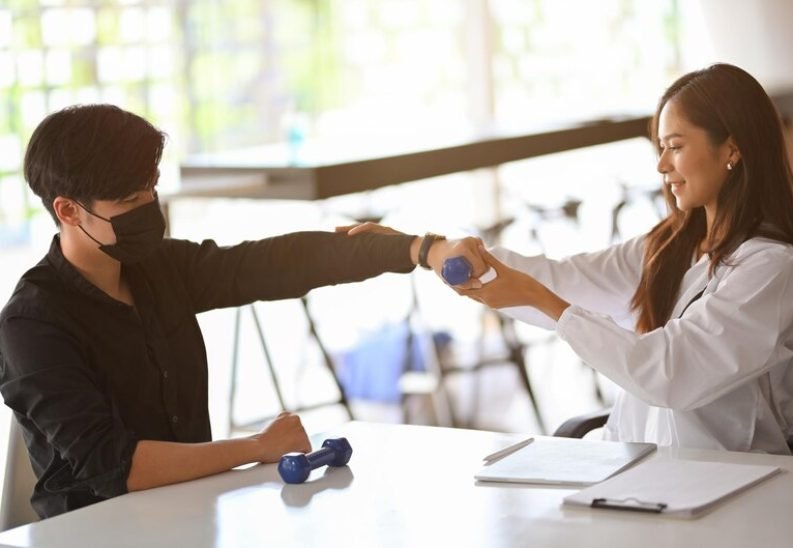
(424, 250)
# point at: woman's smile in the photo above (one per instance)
(675, 186)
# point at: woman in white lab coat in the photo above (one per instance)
(694, 320)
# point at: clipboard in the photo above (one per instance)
(672, 487)
(565, 461)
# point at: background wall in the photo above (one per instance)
(757, 36)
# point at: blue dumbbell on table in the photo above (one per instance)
(457, 270)
(296, 467)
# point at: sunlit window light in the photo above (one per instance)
(71, 26)
(5, 27)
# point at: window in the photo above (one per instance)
(225, 74)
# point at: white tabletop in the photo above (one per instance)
(407, 486)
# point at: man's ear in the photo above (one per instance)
(67, 211)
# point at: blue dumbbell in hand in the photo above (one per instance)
(296, 467)
(457, 270)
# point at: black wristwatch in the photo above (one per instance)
(424, 250)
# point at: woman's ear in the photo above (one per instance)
(67, 211)
(735, 153)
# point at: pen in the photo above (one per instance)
(493, 457)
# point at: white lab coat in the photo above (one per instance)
(718, 377)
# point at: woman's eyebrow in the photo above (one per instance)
(670, 136)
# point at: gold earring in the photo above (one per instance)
(729, 166)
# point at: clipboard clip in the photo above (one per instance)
(630, 504)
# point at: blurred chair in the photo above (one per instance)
(516, 347)
(421, 349)
(578, 426)
(15, 508)
(327, 362)
(442, 364)
(423, 370)
(653, 195)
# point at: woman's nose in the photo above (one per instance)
(662, 166)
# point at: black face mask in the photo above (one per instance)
(138, 232)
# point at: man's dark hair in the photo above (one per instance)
(92, 152)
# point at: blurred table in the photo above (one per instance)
(323, 170)
(315, 171)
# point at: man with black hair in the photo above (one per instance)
(101, 357)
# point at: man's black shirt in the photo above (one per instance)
(88, 376)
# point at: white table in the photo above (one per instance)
(408, 486)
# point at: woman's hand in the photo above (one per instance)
(468, 247)
(283, 435)
(438, 252)
(512, 288)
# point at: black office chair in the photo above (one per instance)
(578, 426)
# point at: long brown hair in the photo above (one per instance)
(755, 200)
